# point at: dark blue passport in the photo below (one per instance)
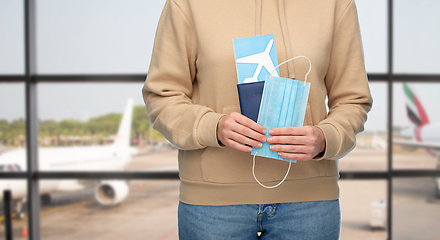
(249, 95)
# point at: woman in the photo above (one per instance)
(192, 100)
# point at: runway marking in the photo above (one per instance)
(169, 234)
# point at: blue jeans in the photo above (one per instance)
(304, 220)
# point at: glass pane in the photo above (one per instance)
(156, 157)
(18, 205)
(12, 37)
(13, 153)
(81, 128)
(416, 125)
(416, 36)
(373, 18)
(12, 117)
(363, 209)
(370, 153)
(149, 210)
(92, 37)
(416, 210)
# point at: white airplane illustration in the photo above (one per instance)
(112, 157)
(424, 135)
(263, 60)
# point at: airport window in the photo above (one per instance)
(12, 38)
(416, 37)
(71, 64)
(372, 16)
(10, 168)
(418, 102)
(98, 37)
(363, 209)
(18, 210)
(12, 125)
(79, 119)
(149, 211)
(416, 210)
(372, 141)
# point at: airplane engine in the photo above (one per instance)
(110, 193)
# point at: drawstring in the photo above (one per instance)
(287, 44)
(258, 18)
(283, 21)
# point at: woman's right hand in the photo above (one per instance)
(240, 132)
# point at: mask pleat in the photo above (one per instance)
(292, 103)
(283, 104)
(278, 88)
(303, 95)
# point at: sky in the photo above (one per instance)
(116, 37)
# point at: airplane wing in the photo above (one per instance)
(255, 58)
(435, 146)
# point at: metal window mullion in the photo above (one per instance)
(135, 78)
(33, 196)
(174, 175)
(390, 122)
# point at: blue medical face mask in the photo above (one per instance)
(283, 104)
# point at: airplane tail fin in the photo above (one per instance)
(124, 131)
(416, 112)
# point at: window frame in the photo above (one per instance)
(33, 175)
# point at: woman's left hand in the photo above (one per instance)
(297, 143)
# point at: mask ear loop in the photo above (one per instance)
(253, 173)
(307, 74)
(290, 162)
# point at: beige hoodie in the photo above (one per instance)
(192, 82)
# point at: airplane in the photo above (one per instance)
(112, 157)
(424, 135)
(263, 60)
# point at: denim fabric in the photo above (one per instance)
(303, 220)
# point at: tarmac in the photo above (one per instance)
(150, 210)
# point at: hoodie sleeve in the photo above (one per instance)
(169, 86)
(349, 98)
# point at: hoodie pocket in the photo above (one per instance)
(225, 165)
(226, 110)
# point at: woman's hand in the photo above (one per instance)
(240, 132)
(297, 143)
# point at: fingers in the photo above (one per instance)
(294, 152)
(248, 123)
(292, 131)
(292, 139)
(246, 128)
(298, 143)
(300, 149)
(237, 131)
(293, 135)
(296, 156)
(234, 140)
